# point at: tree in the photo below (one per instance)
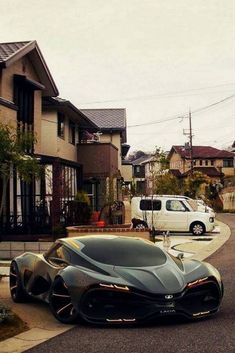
(161, 157)
(166, 184)
(15, 154)
(193, 184)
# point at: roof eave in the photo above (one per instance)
(51, 89)
(66, 106)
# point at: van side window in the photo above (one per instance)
(175, 205)
(146, 205)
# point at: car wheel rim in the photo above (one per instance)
(140, 226)
(197, 229)
(14, 280)
(61, 302)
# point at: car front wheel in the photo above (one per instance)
(61, 302)
(17, 292)
(197, 228)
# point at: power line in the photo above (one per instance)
(185, 115)
(166, 94)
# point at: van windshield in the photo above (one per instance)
(193, 204)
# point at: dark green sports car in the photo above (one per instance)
(115, 280)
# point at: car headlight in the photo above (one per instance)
(211, 219)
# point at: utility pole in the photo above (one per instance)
(190, 135)
(190, 141)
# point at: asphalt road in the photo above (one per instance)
(214, 335)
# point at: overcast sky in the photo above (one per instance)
(156, 58)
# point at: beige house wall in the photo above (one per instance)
(22, 67)
(126, 171)
(7, 116)
(228, 171)
(52, 145)
(176, 162)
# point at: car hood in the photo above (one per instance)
(163, 279)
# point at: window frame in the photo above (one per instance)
(61, 125)
(172, 210)
(72, 132)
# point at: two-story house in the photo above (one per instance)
(62, 127)
(26, 101)
(209, 160)
(144, 171)
(24, 80)
(102, 156)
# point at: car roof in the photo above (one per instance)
(74, 241)
(117, 250)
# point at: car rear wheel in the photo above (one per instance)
(61, 302)
(138, 224)
(17, 292)
(197, 228)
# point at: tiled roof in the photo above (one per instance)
(7, 50)
(11, 52)
(202, 152)
(108, 119)
(210, 171)
(143, 160)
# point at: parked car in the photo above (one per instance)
(170, 213)
(115, 280)
(196, 204)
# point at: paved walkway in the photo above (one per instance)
(44, 326)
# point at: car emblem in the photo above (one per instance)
(168, 296)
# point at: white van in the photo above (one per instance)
(169, 213)
(196, 204)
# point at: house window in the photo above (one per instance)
(206, 162)
(227, 163)
(24, 99)
(72, 132)
(200, 162)
(212, 162)
(60, 125)
(137, 169)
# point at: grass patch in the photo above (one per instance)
(12, 326)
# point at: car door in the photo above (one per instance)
(46, 268)
(175, 215)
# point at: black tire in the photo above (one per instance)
(197, 228)
(61, 303)
(18, 294)
(138, 224)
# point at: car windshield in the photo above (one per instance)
(123, 251)
(193, 204)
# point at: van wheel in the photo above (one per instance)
(140, 225)
(197, 228)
